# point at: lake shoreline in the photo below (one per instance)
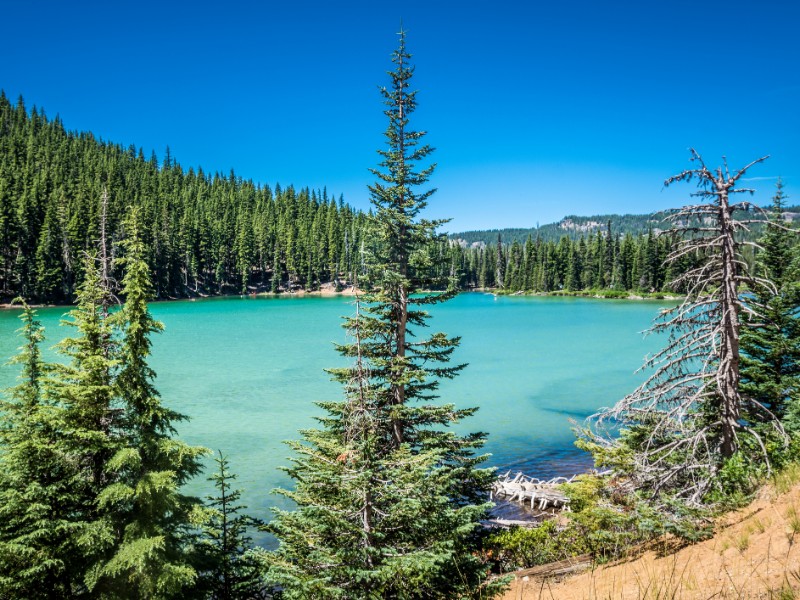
(598, 294)
(328, 291)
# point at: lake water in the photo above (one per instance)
(247, 372)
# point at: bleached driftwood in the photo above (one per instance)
(537, 493)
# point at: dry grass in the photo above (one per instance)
(753, 556)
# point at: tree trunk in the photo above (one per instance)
(728, 376)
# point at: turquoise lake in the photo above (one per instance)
(247, 372)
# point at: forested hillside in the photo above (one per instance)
(203, 233)
(574, 227)
(221, 234)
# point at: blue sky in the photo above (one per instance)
(537, 109)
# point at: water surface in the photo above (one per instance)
(247, 372)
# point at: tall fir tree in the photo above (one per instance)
(388, 498)
(147, 510)
(85, 390)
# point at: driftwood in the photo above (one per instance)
(507, 523)
(537, 493)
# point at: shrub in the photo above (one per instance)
(521, 547)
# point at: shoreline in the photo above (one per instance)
(598, 294)
(328, 291)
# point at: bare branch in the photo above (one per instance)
(690, 406)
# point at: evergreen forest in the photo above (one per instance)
(214, 234)
(203, 234)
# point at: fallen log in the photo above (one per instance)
(558, 568)
(507, 523)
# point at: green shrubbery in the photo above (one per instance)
(521, 547)
(605, 523)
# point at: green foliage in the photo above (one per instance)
(619, 457)
(572, 227)
(606, 521)
(38, 484)
(202, 233)
(522, 547)
(613, 521)
(89, 489)
(771, 340)
(737, 479)
(143, 504)
(602, 264)
(84, 389)
(230, 568)
(388, 498)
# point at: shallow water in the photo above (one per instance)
(247, 372)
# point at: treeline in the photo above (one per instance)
(219, 234)
(203, 233)
(600, 261)
(216, 234)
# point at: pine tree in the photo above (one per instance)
(38, 484)
(771, 336)
(389, 499)
(231, 569)
(85, 390)
(500, 264)
(276, 271)
(148, 512)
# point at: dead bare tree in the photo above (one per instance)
(685, 420)
(105, 259)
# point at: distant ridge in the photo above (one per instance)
(575, 226)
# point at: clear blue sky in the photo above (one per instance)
(537, 109)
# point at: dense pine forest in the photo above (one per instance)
(602, 260)
(220, 234)
(203, 233)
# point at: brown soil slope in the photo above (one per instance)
(754, 555)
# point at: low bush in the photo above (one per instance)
(522, 547)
